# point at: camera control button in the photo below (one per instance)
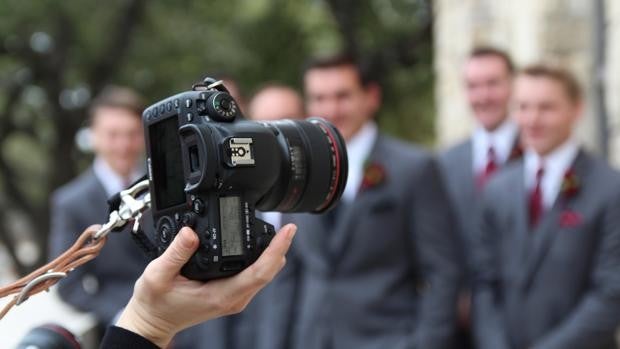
(188, 103)
(169, 106)
(198, 206)
(176, 103)
(165, 233)
(189, 219)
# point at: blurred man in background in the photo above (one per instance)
(104, 285)
(274, 101)
(380, 269)
(467, 166)
(548, 254)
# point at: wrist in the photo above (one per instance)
(134, 319)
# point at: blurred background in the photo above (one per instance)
(56, 55)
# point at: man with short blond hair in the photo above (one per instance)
(380, 270)
(548, 252)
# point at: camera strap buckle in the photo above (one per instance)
(130, 208)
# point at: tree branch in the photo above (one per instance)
(111, 57)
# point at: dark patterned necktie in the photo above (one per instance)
(535, 202)
(489, 169)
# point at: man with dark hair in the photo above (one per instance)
(104, 285)
(548, 248)
(467, 166)
(380, 270)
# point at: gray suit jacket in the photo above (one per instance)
(559, 285)
(104, 285)
(456, 165)
(385, 276)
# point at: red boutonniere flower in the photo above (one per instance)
(516, 152)
(570, 188)
(570, 184)
(374, 175)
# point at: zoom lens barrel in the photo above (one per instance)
(314, 170)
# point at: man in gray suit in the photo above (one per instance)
(104, 285)
(467, 166)
(548, 254)
(381, 269)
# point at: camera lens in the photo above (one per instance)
(315, 167)
(49, 337)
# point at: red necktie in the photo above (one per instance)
(536, 204)
(489, 169)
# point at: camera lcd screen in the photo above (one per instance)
(230, 220)
(167, 164)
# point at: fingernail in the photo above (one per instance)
(292, 232)
(188, 240)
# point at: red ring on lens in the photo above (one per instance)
(334, 183)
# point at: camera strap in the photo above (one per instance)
(87, 247)
(138, 234)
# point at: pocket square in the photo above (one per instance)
(569, 219)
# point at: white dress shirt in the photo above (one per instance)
(555, 166)
(502, 139)
(113, 182)
(358, 151)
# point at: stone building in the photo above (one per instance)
(581, 35)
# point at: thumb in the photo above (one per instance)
(178, 253)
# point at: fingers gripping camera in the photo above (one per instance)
(210, 169)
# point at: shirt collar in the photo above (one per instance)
(502, 139)
(555, 165)
(359, 148)
(112, 182)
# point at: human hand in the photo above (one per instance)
(164, 302)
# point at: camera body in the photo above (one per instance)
(210, 170)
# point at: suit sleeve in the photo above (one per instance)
(65, 229)
(489, 332)
(435, 245)
(277, 318)
(596, 318)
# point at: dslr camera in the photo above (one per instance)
(210, 169)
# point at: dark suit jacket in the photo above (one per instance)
(385, 276)
(76, 206)
(559, 285)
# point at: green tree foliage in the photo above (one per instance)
(56, 55)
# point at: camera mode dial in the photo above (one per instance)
(222, 107)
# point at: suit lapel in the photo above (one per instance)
(541, 238)
(352, 211)
(464, 167)
(522, 234)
